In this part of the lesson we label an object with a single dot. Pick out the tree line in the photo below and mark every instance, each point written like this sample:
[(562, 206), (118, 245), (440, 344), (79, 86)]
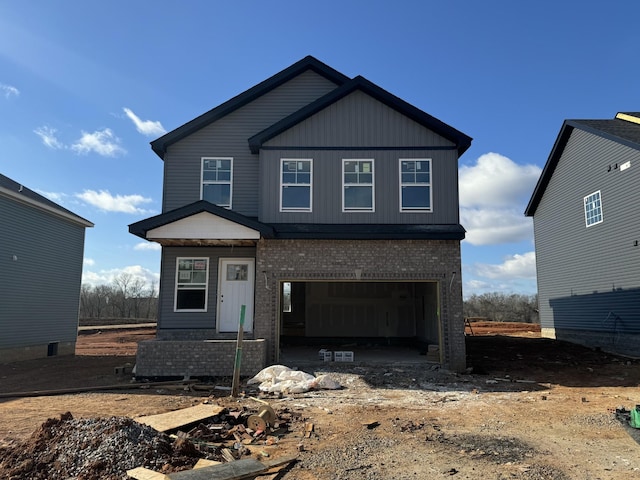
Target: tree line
[(502, 307), (126, 297)]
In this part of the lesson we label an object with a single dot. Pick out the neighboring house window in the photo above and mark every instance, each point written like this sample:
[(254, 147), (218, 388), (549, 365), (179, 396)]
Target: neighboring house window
[(415, 185), (593, 208), (295, 185), (191, 284), (357, 186), (216, 180)]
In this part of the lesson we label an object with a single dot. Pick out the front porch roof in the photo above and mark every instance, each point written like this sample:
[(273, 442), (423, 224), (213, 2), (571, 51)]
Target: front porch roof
[(205, 224), (201, 224)]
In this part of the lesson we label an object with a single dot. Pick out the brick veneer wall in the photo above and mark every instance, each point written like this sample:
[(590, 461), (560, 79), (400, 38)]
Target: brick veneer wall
[(367, 260), (209, 358)]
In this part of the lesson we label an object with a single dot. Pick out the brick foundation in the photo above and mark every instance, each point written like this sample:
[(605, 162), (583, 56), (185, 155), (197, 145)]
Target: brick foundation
[(210, 358)]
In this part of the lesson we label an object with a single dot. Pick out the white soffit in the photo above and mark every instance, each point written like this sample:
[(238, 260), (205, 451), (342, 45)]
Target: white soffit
[(204, 225)]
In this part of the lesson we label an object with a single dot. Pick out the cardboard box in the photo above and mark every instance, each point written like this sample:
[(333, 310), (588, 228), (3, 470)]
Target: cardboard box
[(343, 356)]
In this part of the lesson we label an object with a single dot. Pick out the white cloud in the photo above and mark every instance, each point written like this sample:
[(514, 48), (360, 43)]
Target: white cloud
[(90, 262), (515, 266), (106, 277), (493, 196), (490, 226), (103, 142), (147, 246), (48, 137), (145, 127), (53, 196), (114, 203), (9, 91)]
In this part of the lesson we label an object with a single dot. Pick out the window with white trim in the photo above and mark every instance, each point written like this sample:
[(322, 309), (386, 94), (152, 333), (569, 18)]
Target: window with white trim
[(217, 173), (296, 184), (191, 284), (357, 185), (415, 185), (593, 209)]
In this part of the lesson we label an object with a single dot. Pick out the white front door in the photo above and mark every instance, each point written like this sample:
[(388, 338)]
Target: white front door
[(235, 288)]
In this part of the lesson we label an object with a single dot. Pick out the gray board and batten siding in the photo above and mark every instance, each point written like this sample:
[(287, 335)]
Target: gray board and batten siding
[(227, 137), (41, 256), (588, 277), (168, 318)]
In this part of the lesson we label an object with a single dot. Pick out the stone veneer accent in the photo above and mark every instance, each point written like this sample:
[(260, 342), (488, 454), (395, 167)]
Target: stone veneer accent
[(367, 260)]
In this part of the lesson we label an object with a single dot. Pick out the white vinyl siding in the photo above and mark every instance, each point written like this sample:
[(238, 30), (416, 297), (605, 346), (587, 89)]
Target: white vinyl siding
[(296, 183), (192, 276), (358, 181), (217, 184), (415, 185)]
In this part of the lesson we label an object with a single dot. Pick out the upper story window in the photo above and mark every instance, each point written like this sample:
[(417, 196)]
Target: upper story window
[(593, 209), (191, 284), (295, 185), (415, 185), (357, 186), (216, 180)]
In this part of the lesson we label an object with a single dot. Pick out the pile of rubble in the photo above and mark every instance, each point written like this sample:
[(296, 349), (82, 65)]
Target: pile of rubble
[(107, 448)]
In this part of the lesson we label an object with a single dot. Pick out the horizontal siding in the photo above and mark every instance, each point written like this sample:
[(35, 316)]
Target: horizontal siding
[(200, 320), (359, 120), (327, 187), (587, 276), (228, 137), (40, 291)]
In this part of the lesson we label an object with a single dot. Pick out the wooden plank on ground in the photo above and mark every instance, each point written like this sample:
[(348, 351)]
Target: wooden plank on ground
[(203, 462), (238, 470), (141, 473), (164, 422)]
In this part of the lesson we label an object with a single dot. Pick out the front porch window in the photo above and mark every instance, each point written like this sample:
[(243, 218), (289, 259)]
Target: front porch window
[(191, 284)]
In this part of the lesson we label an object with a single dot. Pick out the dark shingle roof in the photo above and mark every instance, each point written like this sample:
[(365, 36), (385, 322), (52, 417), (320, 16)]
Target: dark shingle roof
[(18, 190), (617, 130), (304, 230)]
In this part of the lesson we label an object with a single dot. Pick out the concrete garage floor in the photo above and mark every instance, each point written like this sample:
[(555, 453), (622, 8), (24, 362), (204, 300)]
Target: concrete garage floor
[(304, 356)]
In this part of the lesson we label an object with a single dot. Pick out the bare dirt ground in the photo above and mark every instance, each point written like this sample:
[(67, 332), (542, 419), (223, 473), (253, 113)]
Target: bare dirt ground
[(531, 408)]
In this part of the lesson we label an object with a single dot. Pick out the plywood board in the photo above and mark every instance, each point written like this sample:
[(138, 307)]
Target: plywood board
[(246, 468), (141, 473), (164, 422)]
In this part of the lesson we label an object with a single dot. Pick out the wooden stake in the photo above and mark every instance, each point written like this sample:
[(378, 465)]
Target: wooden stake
[(235, 386)]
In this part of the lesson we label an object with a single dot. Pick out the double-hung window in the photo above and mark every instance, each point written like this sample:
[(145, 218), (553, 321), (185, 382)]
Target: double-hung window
[(593, 209), (415, 185), (191, 284), (357, 185), (216, 180), (296, 185)]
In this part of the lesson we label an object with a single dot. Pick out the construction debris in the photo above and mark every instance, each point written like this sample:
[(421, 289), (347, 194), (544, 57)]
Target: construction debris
[(281, 379)]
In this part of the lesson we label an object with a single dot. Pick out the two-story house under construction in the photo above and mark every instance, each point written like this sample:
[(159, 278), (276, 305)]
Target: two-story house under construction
[(322, 207)]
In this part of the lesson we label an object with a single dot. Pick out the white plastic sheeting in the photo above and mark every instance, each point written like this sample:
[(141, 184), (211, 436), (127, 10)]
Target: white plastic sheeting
[(278, 378)]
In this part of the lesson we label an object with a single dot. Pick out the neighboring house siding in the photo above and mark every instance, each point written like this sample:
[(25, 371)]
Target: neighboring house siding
[(168, 318), (589, 278), (227, 137), (327, 187), (40, 275)]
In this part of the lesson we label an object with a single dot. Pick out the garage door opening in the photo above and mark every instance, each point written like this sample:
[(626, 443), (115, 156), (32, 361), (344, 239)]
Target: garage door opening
[(385, 316)]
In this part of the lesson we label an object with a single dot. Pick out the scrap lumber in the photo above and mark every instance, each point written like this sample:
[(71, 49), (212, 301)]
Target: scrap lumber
[(203, 462), (141, 473), (238, 470), (164, 422)]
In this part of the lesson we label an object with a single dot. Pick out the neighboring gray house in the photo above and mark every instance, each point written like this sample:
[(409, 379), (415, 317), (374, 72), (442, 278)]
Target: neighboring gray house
[(587, 235), (41, 253), (325, 205)]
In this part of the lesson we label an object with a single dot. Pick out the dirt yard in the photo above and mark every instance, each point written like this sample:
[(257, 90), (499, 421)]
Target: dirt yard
[(530, 408)]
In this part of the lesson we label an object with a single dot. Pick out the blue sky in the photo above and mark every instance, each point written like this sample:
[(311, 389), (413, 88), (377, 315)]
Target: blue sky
[(85, 86)]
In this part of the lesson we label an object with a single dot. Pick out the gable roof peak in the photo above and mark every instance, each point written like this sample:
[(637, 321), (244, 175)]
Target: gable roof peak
[(309, 62)]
